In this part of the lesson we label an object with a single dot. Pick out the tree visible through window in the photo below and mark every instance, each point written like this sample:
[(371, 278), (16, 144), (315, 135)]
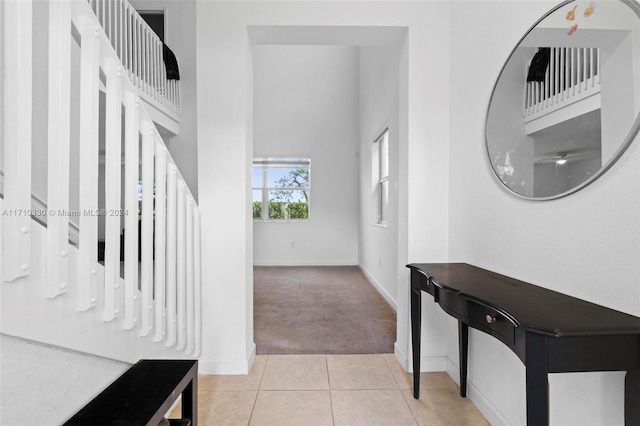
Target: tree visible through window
[(281, 188)]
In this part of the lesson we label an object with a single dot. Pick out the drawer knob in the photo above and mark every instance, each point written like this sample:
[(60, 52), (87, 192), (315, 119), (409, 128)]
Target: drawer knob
[(490, 318)]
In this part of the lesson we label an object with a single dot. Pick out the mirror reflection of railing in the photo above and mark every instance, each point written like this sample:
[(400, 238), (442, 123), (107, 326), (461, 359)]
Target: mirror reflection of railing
[(140, 50), (555, 127), (572, 74)]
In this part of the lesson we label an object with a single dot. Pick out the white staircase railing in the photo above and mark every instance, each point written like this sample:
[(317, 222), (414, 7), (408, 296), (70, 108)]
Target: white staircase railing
[(160, 293), (140, 51), (572, 74)]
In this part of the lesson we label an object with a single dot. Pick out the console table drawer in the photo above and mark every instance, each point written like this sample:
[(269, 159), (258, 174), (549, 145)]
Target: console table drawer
[(490, 321), (452, 303)]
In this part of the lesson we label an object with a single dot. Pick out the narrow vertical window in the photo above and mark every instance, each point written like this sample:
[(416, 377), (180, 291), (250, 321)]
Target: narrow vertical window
[(381, 170), (281, 189)]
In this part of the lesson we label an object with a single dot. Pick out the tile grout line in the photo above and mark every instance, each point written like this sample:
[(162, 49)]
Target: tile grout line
[(333, 416), (253, 408), (389, 367), (404, 399)]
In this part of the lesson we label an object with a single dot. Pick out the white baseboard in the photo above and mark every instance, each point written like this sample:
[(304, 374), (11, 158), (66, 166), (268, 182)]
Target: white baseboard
[(488, 410), (428, 364), (380, 289), (228, 366), (307, 263)]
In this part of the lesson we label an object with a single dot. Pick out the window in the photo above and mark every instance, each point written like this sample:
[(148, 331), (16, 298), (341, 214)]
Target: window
[(281, 189), (381, 176)]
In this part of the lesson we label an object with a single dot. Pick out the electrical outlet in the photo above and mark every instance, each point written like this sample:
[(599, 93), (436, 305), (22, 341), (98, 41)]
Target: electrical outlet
[(379, 261), (293, 245)]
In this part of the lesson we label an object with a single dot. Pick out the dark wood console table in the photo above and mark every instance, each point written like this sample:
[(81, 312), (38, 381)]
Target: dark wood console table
[(549, 331), (143, 395)]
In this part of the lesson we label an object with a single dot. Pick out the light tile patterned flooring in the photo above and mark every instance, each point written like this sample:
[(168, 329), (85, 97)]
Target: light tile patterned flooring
[(351, 390)]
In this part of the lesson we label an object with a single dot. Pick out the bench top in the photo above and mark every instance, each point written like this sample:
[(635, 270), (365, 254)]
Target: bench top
[(141, 396)]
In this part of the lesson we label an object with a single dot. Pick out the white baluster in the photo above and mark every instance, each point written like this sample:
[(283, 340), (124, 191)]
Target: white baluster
[(88, 166), (145, 61), (146, 276), (136, 51), (157, 65), (181, 266), (109, 21), (170, 95), (593, 66), (131, 208), (563, 67), (573, 69), (117, 28), (152, 64), (197, 283), (189, 275), (171, 253), (113, 189), (160, 73), (556, 71), (58, 147), (103, 14), (598, 67), (579, 70), (128, 42), (151, 58), (17, 138), (545, 84), (178, 101), (160, 229)]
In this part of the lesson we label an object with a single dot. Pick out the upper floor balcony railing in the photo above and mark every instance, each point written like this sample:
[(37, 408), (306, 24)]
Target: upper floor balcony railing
[(564, 77), (151, 64)]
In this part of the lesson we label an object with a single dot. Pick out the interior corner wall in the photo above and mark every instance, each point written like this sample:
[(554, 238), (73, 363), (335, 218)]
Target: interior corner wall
[(180, 36), (379, 86), (306, 106), (586, 245)]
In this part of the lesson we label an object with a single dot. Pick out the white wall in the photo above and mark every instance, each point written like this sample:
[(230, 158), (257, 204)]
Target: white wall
[(379, 92), (306, 105), (586, 245), (225, 149), (180, 36)]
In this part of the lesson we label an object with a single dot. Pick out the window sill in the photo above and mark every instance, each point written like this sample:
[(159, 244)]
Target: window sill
[(282, 221)]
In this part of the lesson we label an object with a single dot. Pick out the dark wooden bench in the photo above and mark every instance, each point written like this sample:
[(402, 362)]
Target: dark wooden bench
[(144, 394)]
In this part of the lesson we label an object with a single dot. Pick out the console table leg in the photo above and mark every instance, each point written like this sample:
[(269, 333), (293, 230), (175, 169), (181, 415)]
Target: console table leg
[(631, 398), (190, 402), (416, 322), (537, 380), (463, 348)]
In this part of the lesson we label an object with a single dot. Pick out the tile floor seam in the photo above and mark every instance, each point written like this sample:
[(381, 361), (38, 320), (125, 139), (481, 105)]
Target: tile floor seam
[(255, 401), (394, 376), (333, 415), (384, 358), (264, 370), (404, 398)]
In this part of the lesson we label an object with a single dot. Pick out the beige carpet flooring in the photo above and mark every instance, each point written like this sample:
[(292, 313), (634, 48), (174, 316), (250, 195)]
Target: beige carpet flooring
[(320, 310)]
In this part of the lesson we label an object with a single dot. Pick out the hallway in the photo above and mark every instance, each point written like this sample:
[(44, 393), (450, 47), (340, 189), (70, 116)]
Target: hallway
[(331, 390), (320, 310)]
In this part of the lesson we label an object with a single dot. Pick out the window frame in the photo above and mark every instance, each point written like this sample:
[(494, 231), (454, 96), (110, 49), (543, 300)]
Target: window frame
[(267, 163), (381, 143)]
